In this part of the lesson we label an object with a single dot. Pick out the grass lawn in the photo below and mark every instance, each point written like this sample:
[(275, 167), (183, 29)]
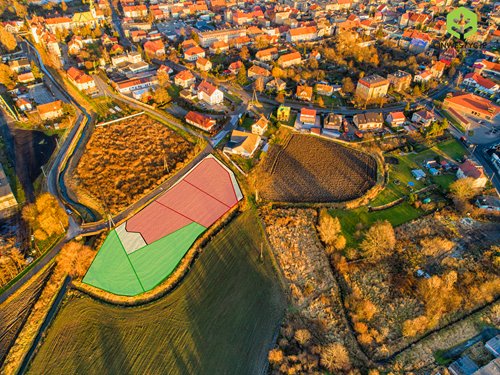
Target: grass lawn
[(396, 215), (221, 319), (247, 123), (444, 181), (452, 148)]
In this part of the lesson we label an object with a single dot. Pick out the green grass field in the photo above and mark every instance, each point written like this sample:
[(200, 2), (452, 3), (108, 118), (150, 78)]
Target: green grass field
[(221, 319), (125, 274)]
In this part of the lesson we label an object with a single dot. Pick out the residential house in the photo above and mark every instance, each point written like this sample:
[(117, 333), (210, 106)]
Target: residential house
[(235, 67), (283, 113), (136, 86), (75, 45), (333, 122), (203, 64), (302, 34), (209, 93), (368, 121), (200, 121), (308, 116), (474, 171), (268, 54), (473, 105), (304, 93), (260, 126), (478, 82), (484, 65), (372, 87), (23, 104), (396, 119), (276, 84), (50, 110), (437, 69), (154, 48), (256, 71), (423, 118), (135, 11), (82, 81), (184, 79), (20, 66), (25, 77), (242, 143), (219, 47), (322, 89), (289, 60), (194, 53), (400, 80), (207, 38), (424, 76)]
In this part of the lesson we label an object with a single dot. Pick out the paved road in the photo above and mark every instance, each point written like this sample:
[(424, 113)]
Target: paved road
[(479, 153)]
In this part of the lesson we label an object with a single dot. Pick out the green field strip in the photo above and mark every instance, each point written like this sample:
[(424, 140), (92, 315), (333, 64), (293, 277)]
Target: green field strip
[(156, 261), (112, 270)]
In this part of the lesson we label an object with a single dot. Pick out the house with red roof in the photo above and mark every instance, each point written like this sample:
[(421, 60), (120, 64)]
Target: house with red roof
[(483, 65), (308, 117), (203, 64), (469, 104), (395, 119), (82, 81), (423, 118), (289, 60), (478, 82), (209, 93), (200, 121), (470, 169), (304, 93), (50, 110)]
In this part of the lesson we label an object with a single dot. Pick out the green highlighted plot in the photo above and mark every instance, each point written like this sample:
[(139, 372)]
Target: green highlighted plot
[(156, 261), (125, 274), (111, 269)]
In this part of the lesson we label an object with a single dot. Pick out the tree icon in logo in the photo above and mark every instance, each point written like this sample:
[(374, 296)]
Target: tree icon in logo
[(461, 23)]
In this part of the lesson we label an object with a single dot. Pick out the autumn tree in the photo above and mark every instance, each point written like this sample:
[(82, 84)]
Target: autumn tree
[(276, 357), (259, 84), (280, 98), (463, 189), (321, 101), (413, 327), (20, 9), (36, 71), (7, 76), (75, 258), (302, 336), (241, 78), (347, 85), (244, 53), (335, 358), (328, 227), (161, 96), (7, 39), (64, 7), (379, 240), (46, 217)]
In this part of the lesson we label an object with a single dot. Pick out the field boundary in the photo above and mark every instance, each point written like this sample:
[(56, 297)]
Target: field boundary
[(120, 119), (172, 280)]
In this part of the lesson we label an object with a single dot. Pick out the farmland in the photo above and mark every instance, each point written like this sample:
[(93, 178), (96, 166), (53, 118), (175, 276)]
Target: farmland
[(15, 311), (309, 169), (221, 319), (124, 160)]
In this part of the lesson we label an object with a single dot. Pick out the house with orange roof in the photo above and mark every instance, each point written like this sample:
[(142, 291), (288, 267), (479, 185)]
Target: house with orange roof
[(193, 53), (184, 79), (290, 59), (242, 143), (308, 117), (203, 64), (323, 89), (256, 71), (302, 34), (50, 110), (235, 67), (135, 11), (304, 93), (484, 65), (437, 69), (268, 54), (424, 76), (396, 119), (154, 48), (473, 105), (25, 77), (260, 126), (82, 81), (219, 47)]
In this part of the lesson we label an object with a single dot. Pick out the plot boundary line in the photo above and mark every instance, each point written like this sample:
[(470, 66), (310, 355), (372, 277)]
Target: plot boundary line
[(210, 195), (177, 212), (131, 265)]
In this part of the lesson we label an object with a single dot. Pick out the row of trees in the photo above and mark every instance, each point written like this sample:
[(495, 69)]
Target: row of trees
[(46, 217)]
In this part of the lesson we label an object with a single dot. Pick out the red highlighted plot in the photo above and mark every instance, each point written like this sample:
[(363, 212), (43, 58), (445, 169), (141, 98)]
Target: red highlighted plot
[(156, 221), (194, 204), (211, 177)]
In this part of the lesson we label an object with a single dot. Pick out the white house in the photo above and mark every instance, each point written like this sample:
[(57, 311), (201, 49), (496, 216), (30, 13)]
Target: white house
[(209, 93), (474, 171)]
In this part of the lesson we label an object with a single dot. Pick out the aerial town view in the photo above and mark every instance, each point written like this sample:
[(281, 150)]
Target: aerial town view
[(249, 187)]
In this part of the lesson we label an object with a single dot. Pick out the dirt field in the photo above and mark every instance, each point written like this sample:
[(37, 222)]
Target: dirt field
[(124, 160), (311, 169), (222, 319)]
